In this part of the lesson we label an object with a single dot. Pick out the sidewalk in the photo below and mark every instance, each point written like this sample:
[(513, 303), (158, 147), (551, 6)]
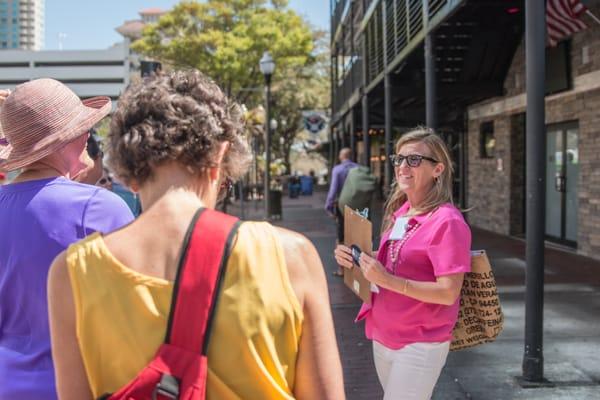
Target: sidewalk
[(572, 316)]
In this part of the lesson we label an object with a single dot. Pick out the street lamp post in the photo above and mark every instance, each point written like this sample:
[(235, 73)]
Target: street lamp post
[(267, 66), (255, 190)]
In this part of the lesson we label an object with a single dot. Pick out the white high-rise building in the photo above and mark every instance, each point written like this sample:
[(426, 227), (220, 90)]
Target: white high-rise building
[(22, 24)]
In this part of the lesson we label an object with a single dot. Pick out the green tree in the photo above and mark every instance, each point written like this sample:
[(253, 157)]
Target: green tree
[(299, 89), (225, 39)]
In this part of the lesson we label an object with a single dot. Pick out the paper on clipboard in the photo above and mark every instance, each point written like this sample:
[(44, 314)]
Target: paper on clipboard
[(359, 231)]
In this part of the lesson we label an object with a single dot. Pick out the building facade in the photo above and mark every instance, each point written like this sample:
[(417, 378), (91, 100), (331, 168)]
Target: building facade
[(87, 72), (496, 153), (131, 30), (459, 66), (22, 24)]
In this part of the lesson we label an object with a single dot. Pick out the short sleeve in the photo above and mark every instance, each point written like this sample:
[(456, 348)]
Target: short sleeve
[(450, 248), (105, 212)]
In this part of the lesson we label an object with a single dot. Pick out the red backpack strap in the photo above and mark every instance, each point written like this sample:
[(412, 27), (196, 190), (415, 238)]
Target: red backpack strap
[(201, 269)]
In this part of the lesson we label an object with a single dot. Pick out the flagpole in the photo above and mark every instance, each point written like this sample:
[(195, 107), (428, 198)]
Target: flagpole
[(592, 16)]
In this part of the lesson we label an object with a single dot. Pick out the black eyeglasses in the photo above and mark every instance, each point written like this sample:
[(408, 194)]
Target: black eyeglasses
[(104, 181), (413, 160)]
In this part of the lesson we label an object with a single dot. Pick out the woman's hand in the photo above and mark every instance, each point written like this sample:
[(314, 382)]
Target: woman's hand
[(372, 269), (343, 256)]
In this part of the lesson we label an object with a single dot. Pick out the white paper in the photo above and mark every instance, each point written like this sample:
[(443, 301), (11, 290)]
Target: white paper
[(399, 228)]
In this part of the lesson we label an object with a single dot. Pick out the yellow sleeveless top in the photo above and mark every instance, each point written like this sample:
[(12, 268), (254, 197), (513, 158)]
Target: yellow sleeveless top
[(121, 318)]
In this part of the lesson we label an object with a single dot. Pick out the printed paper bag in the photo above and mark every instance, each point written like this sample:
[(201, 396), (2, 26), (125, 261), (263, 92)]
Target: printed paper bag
[(480, 317)]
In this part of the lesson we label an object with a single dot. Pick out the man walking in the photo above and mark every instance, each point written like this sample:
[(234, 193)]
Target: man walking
[(338, 177)]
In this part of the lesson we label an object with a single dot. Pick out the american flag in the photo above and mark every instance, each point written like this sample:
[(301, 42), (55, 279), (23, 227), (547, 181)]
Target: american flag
[(562, 19)]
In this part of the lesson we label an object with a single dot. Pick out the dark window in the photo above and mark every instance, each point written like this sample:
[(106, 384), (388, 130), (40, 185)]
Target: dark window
[(78, 63), (13, 64), (99, 80), (487, 141), (558, 68)]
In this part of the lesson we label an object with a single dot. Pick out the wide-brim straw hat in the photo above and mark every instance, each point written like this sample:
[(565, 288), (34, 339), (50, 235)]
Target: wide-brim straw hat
[(42, 116)]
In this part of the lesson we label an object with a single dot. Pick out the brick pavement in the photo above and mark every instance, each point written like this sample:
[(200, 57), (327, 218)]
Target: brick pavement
[(572, 313)]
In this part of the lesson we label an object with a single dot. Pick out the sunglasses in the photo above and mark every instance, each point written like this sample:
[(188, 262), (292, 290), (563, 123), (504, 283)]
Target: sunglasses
[(104, 181), (412, 160)]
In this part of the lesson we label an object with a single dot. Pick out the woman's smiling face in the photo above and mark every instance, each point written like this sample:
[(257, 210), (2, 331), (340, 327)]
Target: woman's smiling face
[(416, 180)]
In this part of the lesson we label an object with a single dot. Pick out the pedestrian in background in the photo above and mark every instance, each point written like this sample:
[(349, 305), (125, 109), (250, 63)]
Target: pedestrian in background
[(92, 175), (338, 177), (130, 197), (106, 179), (42, 211), (108, 182), (419, 269), (313, 176), (179, 141), (294, 186)]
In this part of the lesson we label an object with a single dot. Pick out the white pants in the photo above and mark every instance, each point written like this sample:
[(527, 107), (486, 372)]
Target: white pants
[(411, 372)]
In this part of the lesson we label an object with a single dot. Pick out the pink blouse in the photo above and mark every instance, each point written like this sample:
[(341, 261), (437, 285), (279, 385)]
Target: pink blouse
[(439, 246)]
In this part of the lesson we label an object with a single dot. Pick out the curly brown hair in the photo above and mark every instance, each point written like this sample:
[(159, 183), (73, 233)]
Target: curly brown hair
[(182, 116)]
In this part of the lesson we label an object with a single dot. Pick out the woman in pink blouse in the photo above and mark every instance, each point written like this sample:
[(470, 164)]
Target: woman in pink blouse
[(419, 269)]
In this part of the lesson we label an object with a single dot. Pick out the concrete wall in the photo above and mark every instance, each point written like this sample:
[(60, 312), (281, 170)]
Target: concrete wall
[(87, 72)]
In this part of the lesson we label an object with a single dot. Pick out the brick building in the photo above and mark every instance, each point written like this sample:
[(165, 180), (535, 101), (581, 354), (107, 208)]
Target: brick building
[(379, 80), (496, 146)]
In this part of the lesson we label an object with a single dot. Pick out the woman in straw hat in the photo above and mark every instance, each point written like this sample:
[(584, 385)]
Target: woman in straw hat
[(179, 140), (45, 128)]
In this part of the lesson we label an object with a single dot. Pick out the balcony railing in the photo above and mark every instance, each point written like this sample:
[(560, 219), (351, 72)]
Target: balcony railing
[(405, 22), (390, 29), (340, 9), (352, 81)]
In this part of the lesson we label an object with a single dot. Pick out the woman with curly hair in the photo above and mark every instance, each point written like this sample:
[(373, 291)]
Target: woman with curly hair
[(177, 140), (419, 269)]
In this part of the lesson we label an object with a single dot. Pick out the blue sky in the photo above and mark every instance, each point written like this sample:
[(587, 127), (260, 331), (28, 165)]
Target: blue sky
[(91, 24)]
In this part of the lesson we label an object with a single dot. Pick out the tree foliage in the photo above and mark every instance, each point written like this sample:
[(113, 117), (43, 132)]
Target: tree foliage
[(225, 39), (300, 89)]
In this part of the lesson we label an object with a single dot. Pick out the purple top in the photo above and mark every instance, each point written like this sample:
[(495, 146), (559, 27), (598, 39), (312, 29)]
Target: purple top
[(38, 220), (338, 177)]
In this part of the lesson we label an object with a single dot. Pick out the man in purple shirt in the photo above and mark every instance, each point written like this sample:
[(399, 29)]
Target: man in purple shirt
[(338, 177), (42, 211)]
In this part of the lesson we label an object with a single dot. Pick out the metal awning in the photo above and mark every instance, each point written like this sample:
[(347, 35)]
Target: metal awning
[(475, 43)]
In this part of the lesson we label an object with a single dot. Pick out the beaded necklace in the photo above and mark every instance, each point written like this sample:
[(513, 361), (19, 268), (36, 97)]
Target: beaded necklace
[(396, 245)]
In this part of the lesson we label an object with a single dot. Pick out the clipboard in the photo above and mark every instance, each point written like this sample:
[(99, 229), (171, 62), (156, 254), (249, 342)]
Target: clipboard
[(359, 231)]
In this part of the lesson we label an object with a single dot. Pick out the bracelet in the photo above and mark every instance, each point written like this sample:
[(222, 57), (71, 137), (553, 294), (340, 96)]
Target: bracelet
[(405, 287)]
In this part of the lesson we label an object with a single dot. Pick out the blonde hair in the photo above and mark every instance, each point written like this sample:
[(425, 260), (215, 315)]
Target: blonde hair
[(441, 191)]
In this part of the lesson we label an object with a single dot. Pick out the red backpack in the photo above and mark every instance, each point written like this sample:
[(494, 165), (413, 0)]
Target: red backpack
[(179, 368)]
